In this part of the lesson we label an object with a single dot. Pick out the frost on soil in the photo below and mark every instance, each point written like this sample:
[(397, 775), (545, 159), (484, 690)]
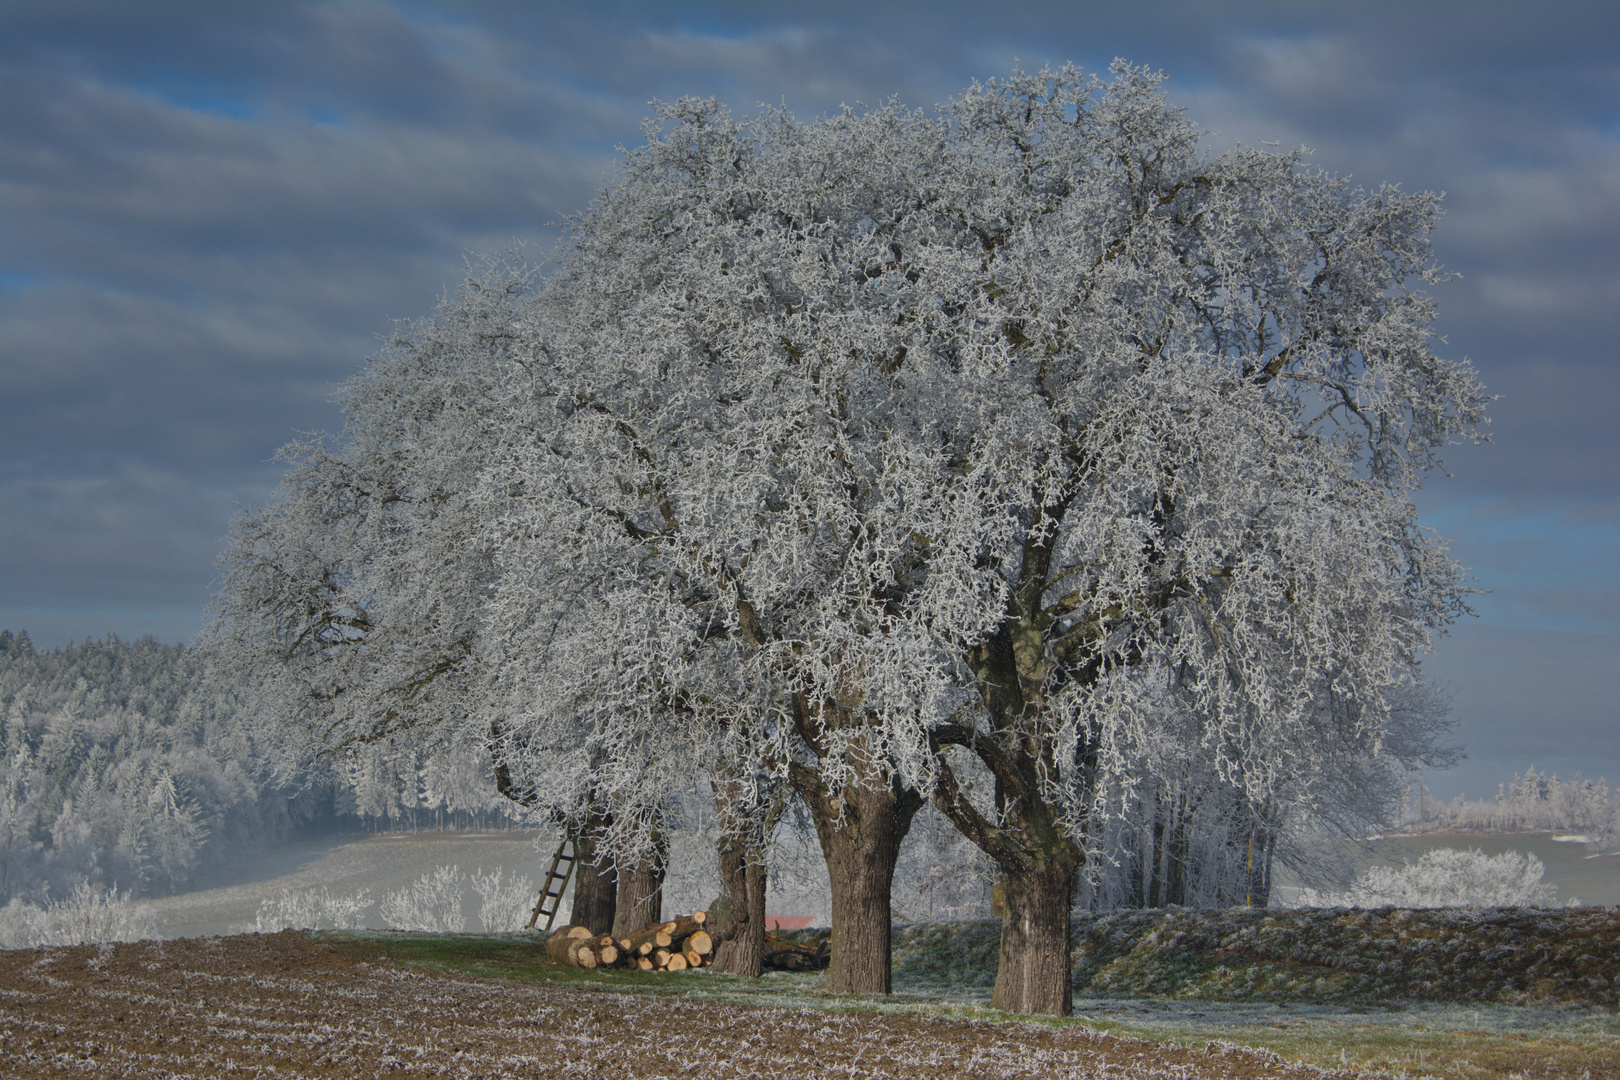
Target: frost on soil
[(263, 1005)]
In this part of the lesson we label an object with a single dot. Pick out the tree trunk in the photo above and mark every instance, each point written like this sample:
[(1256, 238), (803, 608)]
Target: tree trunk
[(1038, 860), (641, 891), (1033, 971), (738, 918), (860, 832), (595, 882)]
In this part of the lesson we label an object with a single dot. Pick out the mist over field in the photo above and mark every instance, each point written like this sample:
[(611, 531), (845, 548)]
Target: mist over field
[(123, 769)]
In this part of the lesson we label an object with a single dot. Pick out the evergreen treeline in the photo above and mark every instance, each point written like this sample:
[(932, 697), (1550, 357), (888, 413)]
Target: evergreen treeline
[(124, 765)]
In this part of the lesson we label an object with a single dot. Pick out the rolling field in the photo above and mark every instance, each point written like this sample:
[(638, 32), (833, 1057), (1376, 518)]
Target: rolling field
[(286, 1005), (478, 1005), (340, 1004), (378, 864)]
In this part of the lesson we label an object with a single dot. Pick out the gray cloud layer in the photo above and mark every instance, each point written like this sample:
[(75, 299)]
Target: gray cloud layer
[(210, 214)]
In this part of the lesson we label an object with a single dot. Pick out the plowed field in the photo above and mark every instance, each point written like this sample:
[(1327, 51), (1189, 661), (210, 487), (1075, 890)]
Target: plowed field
[(286, 1006)]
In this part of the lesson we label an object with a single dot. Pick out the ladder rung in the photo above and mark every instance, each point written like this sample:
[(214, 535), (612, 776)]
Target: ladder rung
[(564, 854)]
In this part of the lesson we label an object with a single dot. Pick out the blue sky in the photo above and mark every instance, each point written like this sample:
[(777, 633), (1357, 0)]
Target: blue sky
[(210, 214)]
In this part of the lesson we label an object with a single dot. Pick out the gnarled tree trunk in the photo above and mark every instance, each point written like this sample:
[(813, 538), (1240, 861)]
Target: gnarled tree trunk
[(1026, 835), (595, 880), (860, 827), (641, 891), (860, 832), (1032, 975), (737, 920)]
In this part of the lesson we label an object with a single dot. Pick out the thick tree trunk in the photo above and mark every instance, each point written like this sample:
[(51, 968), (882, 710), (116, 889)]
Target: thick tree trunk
[(860, 833), (738, 918), (1033, 971), (1038, 861), (595, 884), (641, 892)]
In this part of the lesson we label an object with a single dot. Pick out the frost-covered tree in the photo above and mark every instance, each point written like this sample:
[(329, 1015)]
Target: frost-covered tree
[(1447, 877), (353, 600), (969, 455), (991, 440), (352, 606), (1537, 801), (1172, 830), (123, 764)]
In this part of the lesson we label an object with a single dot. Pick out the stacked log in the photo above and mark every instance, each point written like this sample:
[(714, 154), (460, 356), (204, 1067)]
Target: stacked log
[(574, 946), (784, 955), (676, 945)]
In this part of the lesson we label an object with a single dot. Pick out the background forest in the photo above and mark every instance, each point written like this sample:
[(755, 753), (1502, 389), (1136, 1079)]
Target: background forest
[(126, 768)]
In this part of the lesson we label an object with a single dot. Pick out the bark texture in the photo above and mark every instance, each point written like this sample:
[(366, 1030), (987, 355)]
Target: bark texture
[(595, 884), (860, 830), (1033, 971), (737, 920), (641, 892), (1026, 835)]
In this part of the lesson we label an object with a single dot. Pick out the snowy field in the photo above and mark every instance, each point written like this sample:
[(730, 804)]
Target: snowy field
[(378, 864), (392, 861), (389, 862)]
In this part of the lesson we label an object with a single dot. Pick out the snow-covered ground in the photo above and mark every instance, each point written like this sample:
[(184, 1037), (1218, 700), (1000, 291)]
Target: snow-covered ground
[(389, 862), (379, 864), (392, 861)]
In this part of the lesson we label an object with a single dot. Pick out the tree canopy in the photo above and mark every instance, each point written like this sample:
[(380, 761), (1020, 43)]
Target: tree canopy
[(981, 455)]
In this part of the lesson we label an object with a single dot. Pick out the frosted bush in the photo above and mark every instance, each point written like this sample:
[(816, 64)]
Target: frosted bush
[(432, 903), (1447, 877), (346, 912), (84, 916), (311, 909), (506, 904)]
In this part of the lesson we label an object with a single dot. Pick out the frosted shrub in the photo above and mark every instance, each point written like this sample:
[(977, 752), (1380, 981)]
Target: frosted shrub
[(84, 916), (310, 909), (506, 903), (346, 912), (432, 903), (20, 925), (1447, 877)]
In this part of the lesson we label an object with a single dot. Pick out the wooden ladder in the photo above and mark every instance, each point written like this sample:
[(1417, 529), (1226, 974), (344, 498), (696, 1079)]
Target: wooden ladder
[(556, 882)]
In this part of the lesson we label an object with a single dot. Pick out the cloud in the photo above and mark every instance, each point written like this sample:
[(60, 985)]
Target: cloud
[(131, 536), (210, 214)]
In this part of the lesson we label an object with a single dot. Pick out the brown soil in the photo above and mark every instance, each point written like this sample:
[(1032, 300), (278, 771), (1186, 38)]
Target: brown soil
[(287, 1006)]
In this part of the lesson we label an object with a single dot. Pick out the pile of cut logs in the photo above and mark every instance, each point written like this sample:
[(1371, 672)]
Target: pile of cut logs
[(667, 946)]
